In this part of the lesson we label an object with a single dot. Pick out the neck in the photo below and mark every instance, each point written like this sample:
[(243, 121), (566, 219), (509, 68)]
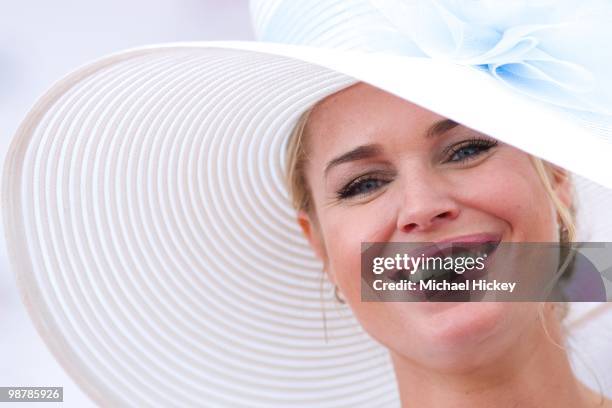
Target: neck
[(534, 373)]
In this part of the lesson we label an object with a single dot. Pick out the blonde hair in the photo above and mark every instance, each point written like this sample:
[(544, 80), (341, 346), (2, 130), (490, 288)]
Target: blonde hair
[(295, 164), (567, 214)]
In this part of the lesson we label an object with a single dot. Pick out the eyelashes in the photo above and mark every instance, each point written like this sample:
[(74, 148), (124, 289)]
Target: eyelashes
[(363, 185), (456, 153), (467, 149)]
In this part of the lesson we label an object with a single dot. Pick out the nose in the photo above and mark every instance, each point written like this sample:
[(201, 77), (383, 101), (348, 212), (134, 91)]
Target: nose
[(426, 205)]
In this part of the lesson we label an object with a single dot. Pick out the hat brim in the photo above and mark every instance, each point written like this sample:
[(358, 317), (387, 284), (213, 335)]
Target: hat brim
[(153, 239)]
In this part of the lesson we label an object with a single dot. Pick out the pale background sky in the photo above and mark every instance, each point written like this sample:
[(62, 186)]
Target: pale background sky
[(42, 41)]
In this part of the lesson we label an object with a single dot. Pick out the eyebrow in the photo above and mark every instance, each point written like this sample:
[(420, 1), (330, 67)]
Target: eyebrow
[(440, 127), (371, 150)]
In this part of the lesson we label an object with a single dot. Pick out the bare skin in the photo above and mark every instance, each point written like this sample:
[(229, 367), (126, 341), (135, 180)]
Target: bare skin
[(415, 177)]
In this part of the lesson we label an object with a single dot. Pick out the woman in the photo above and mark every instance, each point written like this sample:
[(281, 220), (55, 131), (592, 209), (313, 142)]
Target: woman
[(158, 255), (404, 182)]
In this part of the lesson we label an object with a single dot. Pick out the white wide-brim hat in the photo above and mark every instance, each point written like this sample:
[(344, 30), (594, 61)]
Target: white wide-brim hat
[(150, 228)]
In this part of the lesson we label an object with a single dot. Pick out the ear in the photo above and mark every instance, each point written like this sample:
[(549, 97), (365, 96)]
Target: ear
[(312, 232), (562, 184)]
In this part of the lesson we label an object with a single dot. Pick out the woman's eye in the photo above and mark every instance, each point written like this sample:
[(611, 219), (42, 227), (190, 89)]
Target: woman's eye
[(361, 186), (469, 149)]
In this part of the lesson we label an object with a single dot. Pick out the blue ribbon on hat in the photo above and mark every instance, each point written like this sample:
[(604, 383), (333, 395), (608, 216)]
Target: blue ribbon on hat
[(556, 51)]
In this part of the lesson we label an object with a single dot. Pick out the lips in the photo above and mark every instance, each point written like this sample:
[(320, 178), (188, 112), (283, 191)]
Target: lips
[(476, 245), (470, 242)]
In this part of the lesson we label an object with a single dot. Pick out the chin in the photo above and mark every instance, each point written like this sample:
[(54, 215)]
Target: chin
[(459, 337)]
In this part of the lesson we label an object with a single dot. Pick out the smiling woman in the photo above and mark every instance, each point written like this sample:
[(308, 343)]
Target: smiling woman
[(366, 166), (159, 256)]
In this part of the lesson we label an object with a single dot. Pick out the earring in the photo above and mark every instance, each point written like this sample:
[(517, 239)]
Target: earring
[(338, 298)]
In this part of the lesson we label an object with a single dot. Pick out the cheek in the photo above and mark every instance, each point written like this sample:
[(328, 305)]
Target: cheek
[(508, 189), (345, 231)]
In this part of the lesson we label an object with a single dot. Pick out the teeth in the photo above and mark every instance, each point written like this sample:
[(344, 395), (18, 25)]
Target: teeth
[(416, 276), (426, 274), (421, 275), (439, 273)]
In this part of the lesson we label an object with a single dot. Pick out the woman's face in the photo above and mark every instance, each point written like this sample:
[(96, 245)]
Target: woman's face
[(381, 169)]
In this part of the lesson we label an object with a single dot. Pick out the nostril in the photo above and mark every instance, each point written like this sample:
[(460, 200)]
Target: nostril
[(424, 217), (446, 214), (409, 227)]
